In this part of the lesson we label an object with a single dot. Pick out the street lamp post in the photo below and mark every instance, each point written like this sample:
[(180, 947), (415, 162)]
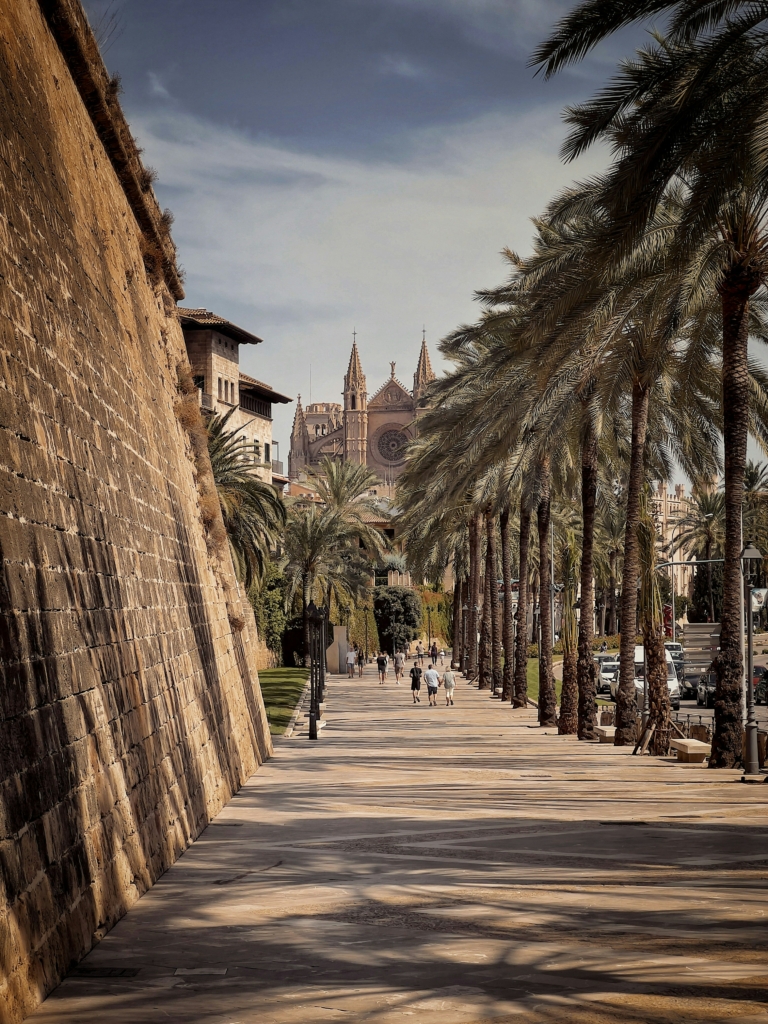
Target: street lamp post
[(316, 618), (752, 761), (672, 577), (429, 626)]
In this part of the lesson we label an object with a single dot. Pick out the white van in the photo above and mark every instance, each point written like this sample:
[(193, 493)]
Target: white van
[(672, 682)]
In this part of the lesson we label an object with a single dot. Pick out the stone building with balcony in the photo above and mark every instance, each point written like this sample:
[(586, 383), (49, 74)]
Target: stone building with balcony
[(213, 347)]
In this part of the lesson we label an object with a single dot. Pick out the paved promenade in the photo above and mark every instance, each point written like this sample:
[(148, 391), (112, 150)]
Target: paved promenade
[(449, 865)]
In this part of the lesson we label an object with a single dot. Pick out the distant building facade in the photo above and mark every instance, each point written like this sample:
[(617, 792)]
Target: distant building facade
[(668, 508), (373, 432), (213, 347)]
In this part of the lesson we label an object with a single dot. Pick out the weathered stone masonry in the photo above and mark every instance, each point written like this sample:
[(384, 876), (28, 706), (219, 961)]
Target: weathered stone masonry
[(130, 710)]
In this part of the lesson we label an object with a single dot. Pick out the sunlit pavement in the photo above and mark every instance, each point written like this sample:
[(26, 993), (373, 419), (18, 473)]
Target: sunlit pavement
[(449, 864)]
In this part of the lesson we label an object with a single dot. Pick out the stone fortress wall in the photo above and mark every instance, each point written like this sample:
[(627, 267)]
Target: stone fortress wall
[(130, 709)]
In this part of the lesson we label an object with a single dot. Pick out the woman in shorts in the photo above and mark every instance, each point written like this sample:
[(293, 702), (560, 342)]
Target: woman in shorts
[(360, 662), (416, 682), (449, 682)]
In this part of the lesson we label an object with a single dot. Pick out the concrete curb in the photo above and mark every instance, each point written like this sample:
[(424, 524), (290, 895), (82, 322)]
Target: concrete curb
[(295, 716)]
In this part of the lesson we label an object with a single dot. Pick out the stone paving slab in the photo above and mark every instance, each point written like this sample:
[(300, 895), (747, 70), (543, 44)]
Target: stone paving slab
[(456, 865)]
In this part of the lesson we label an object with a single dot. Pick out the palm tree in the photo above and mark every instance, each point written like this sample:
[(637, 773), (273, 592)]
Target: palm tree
[(345, 487), (701, 531), (547, 699), (568, 721), (611, 529), (322, 560), (253, 513), (651, 622), (693, 106)]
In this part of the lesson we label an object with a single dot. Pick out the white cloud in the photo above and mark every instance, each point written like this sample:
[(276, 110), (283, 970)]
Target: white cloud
[(300, 248), (156, 86), (401, 67)]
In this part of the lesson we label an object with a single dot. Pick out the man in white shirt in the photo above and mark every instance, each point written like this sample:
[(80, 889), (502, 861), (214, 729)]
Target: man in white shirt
[(399, 666), (432, 679), (351, 659)]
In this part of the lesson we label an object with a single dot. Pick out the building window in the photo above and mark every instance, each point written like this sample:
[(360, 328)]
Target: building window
[(323, 430), (199, 381), (317, 429), (256, 449), (354, 402), (267, 453), (219, 388)]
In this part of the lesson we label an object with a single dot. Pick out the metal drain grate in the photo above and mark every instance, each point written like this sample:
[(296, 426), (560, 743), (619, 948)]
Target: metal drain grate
[(106, 972)]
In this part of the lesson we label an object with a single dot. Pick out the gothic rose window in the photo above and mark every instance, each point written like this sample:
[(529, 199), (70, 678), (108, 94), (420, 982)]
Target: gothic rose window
[(392, 444)]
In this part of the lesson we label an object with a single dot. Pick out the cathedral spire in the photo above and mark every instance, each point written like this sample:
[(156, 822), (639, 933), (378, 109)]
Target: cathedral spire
[(424, 374), (299, 422), (298, 456), (355, 378)]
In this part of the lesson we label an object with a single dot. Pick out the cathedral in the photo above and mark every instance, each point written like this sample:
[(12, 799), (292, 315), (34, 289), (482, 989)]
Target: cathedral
[(372, 431)]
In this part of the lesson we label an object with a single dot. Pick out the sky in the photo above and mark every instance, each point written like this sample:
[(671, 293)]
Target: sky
[(340, 165)]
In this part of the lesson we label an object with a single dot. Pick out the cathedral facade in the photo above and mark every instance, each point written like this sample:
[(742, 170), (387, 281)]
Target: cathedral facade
[(372, 431)]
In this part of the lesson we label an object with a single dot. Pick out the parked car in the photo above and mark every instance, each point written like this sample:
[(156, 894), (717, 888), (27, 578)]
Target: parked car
[(689, 683), (705, 691), (608, 672), (673, 684), (760, 682)]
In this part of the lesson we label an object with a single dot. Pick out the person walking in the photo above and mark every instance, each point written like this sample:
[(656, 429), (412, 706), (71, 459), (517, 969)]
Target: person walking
[(442, 658), (433, 653), (399, 666), (351, 661), (381, 664), (416, 681), (360, 662), (432, 679), (449, 682), (419, 652)]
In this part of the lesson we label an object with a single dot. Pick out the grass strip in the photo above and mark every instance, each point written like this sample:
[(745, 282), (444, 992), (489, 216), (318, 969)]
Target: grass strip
[(281, 689)]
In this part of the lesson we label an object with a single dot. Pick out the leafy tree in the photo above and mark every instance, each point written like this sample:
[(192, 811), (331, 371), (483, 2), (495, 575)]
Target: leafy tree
[(269, 607), (707, 598), (322, 562), (398, 616)]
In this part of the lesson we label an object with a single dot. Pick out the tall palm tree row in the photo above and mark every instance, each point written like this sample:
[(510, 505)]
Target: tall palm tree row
[(691, 108), (619, 347)]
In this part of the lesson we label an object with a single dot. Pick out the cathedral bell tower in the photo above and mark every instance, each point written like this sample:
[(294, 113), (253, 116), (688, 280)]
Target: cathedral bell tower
[(355, 409)]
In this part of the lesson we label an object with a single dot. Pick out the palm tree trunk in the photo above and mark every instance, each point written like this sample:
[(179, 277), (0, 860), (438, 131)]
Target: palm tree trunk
[(626, 704), (491, 568), (485, 675), (508, 629), (475, 539), (520, 698), (612, 596), (728, 732), (658, 693), (586, 669), (568, 722), (464, 625), (456, 623), (547, 698)]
